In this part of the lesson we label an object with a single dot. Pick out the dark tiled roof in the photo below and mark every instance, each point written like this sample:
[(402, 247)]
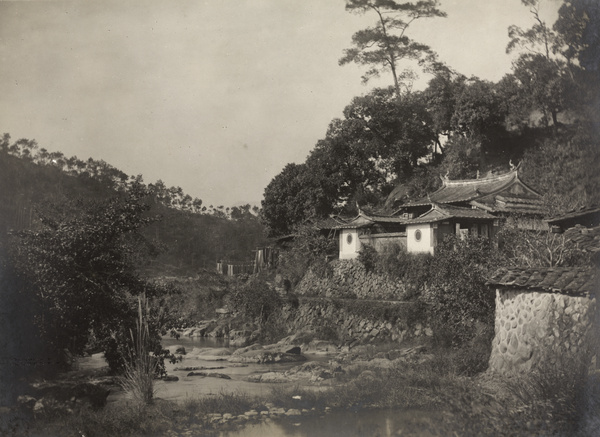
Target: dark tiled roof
[(364, 220), (575, 281), (445, 212), (587, 239), (331, 222), (574, 214), (469, 189), (496, 193)]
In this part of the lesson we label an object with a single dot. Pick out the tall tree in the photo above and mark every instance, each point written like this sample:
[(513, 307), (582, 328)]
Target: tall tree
[(296, 194), (578, 37), (385, 45), (540, 68)]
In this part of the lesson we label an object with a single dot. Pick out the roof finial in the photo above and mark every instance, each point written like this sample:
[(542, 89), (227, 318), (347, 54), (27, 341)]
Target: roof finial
[(512, 166)]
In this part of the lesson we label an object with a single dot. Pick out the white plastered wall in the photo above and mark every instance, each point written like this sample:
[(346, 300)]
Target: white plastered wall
[(424, 244), (349, 243)]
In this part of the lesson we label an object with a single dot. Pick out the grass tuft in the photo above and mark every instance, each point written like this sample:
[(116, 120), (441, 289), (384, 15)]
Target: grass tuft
[(140, 365)]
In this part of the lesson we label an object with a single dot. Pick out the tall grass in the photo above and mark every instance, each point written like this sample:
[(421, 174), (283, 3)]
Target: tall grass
[(556, 394), (140, 365)]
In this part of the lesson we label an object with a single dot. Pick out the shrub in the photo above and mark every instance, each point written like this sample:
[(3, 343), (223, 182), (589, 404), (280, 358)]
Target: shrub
[(254, 300), (368, 257), (456, 292), (411, 269), (540, 249), (309, 249), (556, 393)]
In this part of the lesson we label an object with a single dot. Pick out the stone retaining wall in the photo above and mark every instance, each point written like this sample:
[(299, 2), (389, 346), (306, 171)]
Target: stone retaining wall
[(321, 315), (350, 279), (533, 328)]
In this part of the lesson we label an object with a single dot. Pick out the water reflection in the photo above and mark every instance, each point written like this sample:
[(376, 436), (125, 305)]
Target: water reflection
[(377, 423), (191, 342)]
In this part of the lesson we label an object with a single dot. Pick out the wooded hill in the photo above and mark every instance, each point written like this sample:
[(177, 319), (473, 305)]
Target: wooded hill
[(544, 113), (190, 236)]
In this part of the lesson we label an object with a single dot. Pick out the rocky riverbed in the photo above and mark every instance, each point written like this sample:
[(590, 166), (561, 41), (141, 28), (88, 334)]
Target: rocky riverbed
[(210, 368)]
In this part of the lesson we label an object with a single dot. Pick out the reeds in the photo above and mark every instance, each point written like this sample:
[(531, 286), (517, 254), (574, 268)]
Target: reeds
[(140, 365)]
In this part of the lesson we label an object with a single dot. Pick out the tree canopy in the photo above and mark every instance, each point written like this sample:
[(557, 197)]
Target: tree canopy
[(457, 126), (81, 264), (383, 46)]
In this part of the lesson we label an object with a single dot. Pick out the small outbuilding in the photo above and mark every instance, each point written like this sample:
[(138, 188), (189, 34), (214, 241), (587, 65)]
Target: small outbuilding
[(424, 233), (420, 235), (375, 230), (543, 315)]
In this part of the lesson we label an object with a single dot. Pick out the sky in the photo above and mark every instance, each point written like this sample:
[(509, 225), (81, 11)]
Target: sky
[(214, 96)]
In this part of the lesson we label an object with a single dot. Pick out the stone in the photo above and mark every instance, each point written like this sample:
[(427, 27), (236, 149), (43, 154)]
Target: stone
[(266, 357), (39, 407), (170, 378), (293, 412), (294, 350), (209, 375), (26, 402)]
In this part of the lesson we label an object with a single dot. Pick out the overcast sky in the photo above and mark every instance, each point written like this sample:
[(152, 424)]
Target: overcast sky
[(215, 96)]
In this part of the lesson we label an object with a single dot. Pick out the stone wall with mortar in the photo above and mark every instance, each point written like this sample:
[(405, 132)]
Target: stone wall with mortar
[(349, 279), (532, 328), (320, 315)]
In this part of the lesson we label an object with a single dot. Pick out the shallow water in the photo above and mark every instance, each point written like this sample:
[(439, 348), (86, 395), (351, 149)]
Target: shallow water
[(371, 423), (190, 387)]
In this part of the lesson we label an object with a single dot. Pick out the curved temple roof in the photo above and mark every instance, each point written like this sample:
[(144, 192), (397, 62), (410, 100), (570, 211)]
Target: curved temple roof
[(497, 193)]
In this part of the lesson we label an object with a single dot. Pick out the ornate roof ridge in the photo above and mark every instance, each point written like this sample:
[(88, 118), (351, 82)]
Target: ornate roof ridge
[(493, 178)]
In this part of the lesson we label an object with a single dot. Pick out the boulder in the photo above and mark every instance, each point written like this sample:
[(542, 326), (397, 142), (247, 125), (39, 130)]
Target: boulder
[(266, 357), (211, 354), (320, 347), (252, 347), (240, 338), (210, 375), (270, 377), (26, 402)]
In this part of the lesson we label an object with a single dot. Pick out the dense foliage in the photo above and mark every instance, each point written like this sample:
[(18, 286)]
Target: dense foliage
[(79, 265), (456, 293), (544, 113), (310, 249), (191, 237), (254, 300), (452, 283)]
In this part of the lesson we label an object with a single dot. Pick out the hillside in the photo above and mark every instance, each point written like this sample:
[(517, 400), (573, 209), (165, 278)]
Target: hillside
[(190, 236)]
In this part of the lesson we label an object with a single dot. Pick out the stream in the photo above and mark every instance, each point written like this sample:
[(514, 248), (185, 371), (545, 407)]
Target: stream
[(368, 423), (362, 423), (194, 387)]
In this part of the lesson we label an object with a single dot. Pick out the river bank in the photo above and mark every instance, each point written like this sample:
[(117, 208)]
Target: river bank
[(372, 390)]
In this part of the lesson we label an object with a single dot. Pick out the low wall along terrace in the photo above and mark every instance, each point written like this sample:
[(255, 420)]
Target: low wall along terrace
[(533, 328), (350, 279), (359, 306), (357, 322)]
